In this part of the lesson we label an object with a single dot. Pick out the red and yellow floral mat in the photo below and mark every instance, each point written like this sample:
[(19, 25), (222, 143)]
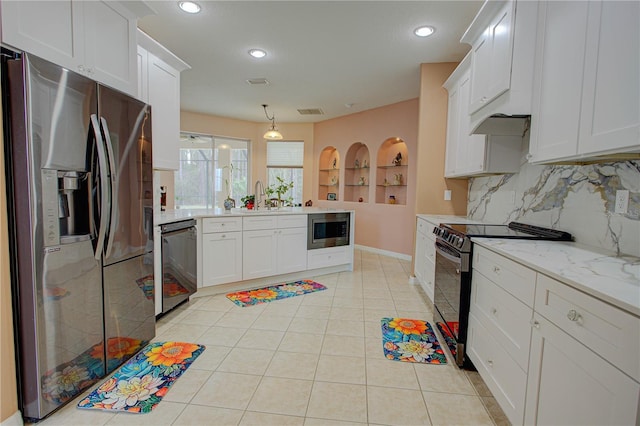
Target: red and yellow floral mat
[(411, 340), (171, 287), (140, 384), (274, 292)]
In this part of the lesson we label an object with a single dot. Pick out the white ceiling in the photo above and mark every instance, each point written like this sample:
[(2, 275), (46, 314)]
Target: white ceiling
[(321, 54)]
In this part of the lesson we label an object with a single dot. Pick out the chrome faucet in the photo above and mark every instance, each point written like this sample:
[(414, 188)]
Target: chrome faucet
[(259, 190)]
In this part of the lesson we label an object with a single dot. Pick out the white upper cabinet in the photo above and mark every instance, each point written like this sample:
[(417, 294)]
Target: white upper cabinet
[(502, 39), (159, 85), (492, 59), (586, 101), (94, 38), (473, 155)]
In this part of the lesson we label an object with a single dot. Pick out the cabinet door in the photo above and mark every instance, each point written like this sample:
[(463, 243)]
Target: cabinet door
[(164, 97), (110, 44), (292, 250), (453, 131), (557, 87), (610, 116), (221, 258), (492, 54), (52, 30), (143, 79), (471, 156), (570, 384), (259, 253)]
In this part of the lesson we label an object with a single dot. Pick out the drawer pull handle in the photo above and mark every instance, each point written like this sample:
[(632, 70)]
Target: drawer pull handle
[(494, 311), (490, 362), (535, 323), (573, 315), (496, 269)]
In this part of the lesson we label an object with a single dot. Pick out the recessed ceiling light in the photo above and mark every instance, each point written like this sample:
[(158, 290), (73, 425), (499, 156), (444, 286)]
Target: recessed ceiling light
[(257, 53), (189, 6), (425, 31)]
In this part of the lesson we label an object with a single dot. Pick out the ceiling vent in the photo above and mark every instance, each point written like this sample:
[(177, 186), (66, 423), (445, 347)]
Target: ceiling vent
[(258, 81), (310, 111)]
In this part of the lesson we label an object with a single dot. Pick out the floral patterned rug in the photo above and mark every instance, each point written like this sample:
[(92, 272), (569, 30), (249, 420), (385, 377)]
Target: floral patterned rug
[(449, 339), (411, 340), (140, 384), (274, 292)]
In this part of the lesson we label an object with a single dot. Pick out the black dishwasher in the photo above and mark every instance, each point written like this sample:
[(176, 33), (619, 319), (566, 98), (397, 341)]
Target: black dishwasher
[(179, 270)]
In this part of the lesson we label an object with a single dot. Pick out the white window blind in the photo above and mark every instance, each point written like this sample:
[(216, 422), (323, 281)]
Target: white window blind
[(285, 154)]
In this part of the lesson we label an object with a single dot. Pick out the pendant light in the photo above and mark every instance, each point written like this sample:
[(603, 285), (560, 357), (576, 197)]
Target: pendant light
[(272, 134)]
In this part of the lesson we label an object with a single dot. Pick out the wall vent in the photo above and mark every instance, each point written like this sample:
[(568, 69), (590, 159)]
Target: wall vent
[(310, 111), (258, 81)]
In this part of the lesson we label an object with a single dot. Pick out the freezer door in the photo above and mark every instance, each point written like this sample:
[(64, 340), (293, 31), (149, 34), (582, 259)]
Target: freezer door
[(126, 128), (129, 308)]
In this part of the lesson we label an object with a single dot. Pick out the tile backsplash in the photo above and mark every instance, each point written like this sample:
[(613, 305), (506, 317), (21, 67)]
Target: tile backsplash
[(575, 198)]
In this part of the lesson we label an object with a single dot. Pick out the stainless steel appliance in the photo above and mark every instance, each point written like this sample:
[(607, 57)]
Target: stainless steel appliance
[(79, 185), (452, 293), (328, 230), (179, 270)]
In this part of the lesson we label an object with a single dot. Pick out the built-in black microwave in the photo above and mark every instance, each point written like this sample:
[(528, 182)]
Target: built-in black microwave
[(328, 230)]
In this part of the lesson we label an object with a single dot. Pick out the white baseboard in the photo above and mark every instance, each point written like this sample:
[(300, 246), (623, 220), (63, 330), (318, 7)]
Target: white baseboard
[(384, 252), (14, 420)]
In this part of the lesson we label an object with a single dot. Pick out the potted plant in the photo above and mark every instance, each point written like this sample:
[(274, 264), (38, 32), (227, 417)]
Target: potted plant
[(279, 189), (248, 201)]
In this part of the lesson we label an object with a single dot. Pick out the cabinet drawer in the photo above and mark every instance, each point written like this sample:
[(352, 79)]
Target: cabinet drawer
[(610, 332), (226, 224), (507, 382), (259, 222), (506, 317), (292, 221), (516, 279), (424, 227), (332, 256)]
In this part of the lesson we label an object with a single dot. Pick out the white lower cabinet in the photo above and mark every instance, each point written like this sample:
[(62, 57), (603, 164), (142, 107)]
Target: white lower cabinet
[(274, 245), (570, 384), (574, 356), (221, 251), (425, 253)]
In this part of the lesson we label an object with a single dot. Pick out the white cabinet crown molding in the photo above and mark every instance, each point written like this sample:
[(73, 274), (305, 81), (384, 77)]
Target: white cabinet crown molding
[(161, 52)]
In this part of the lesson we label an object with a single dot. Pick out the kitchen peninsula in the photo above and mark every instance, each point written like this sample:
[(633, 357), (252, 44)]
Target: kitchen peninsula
[(242, 248)]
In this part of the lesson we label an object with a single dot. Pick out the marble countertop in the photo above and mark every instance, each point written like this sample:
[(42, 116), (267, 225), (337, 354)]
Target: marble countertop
[(614, 279), (170, 216)]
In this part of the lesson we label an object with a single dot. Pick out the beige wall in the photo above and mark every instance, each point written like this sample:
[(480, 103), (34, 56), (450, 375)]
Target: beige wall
[(382, 226), (232, 128), (8, 389), (432, 131)]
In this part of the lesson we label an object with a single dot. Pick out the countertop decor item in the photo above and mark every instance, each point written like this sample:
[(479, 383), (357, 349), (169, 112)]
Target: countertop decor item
[(411, 340), (140, 384), (331, 196), (274, 292)]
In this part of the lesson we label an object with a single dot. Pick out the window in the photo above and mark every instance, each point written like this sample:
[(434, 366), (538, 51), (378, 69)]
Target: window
[(285, 159), (211, 169)]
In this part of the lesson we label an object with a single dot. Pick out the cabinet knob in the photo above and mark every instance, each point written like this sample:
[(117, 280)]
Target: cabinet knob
[(494, 311), (535, 323), (573, 315), (223, 236), (496, 269), (529, 156), (490, 362), (484, 99)]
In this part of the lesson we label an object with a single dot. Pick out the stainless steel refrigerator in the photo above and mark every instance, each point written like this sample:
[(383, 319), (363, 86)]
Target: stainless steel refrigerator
[(79, 186)]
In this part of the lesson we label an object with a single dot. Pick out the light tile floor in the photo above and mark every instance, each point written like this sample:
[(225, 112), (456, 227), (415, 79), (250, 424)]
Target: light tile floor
[(309, 360)]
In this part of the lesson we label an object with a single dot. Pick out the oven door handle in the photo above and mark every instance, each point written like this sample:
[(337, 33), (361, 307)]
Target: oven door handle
[(441, 251)]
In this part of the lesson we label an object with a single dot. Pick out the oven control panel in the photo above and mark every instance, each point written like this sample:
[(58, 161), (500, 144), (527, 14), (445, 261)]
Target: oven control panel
[(450, 236)]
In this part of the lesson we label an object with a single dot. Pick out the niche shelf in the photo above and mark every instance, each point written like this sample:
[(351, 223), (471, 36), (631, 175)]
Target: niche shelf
[(328, 174), (392, 170), (357, 172)]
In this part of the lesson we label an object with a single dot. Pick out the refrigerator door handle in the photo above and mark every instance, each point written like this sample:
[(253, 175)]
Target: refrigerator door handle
[(114, 185), (104, 186)]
